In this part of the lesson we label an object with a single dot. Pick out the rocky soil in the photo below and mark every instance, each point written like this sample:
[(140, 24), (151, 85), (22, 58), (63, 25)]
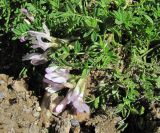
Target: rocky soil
[(20, 112)]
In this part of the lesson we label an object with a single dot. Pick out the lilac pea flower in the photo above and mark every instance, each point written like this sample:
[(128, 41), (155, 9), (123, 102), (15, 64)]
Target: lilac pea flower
[(24, 11), (56, 78), (37, 38), (72, 95), (75, 98), (27, 14), (36, 58), (80, 106), (54, 87), (57, 75), (76, 101)]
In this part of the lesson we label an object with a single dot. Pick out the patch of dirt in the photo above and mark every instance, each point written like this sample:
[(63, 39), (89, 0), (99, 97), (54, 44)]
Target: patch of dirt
[(19, 110), (104, 123)]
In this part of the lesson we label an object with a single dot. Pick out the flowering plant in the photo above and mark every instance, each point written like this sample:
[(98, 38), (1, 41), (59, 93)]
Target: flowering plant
[(56, 77), (116, 40)]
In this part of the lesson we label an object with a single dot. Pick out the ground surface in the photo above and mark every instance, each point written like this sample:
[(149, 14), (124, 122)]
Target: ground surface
[(20, 112)]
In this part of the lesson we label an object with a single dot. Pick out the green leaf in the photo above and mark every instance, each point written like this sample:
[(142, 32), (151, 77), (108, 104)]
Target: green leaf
[(77, 47), (94, 36), (96, 102), (122, 126), (142, 110), (86, 34), (149, 19), (91, 22), (158, 82), (17, 32)]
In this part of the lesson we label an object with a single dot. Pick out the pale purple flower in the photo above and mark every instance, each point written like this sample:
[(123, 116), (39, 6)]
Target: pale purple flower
[(75, 98), (54, 87), (56, 77), (56, 74), (22, 39), (24, 11), (71, 96), (37, 38), (27, 14), (36, 58), (80, 106)]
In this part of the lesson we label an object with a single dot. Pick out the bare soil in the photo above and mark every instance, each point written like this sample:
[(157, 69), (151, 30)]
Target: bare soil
[(20, 112)]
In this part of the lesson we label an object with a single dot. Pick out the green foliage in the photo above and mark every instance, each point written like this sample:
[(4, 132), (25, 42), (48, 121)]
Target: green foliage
[(117, 37)]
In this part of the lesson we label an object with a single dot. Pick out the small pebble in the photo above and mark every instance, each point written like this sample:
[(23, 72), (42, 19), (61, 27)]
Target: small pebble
[(74, 122), (36, 114), (38, 109), (33, 128), (1, 95), (27, 110), (1, 82)]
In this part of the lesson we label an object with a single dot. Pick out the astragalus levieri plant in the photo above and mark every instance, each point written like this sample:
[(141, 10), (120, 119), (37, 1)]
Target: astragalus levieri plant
[(57, 77)]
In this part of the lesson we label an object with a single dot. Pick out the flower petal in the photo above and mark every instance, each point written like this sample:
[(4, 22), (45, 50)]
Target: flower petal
[(43, 45), (37, 62), (46, 29), (51, 69), (22, 39), (53, 84), (73, 95), (52, 90), (85, 107), (51, 76), (31, 56), (36, 33), (62, 105), (24, 11), (59, 80), (35, 58), (56, 74), (80, 106)]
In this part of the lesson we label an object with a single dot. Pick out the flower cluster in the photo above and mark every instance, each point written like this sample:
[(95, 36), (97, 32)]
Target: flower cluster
[(37, 39), (56, 77), (42, 40), (37, 42)]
